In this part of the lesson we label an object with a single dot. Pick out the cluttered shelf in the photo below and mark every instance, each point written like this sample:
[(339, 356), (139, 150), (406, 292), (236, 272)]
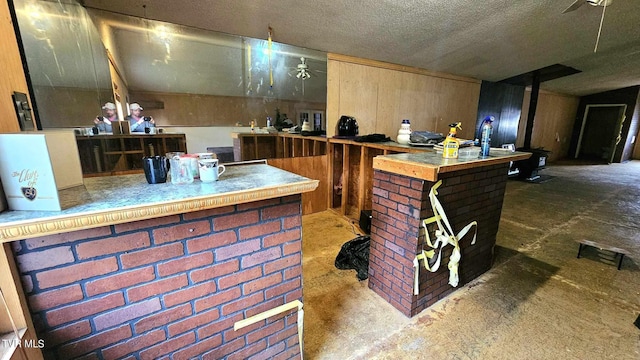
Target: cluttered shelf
[(106, 154), (254, 146)]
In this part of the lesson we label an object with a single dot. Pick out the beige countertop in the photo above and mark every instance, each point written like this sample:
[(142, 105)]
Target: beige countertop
[(427, 165), (113, 200)]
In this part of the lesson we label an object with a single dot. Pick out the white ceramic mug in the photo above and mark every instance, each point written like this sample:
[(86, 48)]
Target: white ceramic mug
[(210, 170), (206, 155)]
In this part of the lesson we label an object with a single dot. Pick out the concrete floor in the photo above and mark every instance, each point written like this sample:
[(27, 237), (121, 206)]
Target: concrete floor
[(537, 302)]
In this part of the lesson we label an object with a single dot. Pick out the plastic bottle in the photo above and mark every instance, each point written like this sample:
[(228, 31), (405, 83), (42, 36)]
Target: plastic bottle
[(451, 144), (485, 142), (404, 134)]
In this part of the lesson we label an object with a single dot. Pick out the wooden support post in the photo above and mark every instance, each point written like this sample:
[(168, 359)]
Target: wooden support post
[(345, 179)]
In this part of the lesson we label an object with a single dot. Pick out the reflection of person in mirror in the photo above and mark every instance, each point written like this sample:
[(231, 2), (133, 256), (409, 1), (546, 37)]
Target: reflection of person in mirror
[(137, 121), (103, 123)]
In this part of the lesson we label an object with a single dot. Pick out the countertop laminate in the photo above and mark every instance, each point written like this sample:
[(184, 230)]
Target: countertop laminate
[(427, 165), (120, 199)]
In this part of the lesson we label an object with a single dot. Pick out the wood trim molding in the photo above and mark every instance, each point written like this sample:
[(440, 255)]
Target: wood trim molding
[(12, 231), (397, 67), (429, 172), (112, 60)]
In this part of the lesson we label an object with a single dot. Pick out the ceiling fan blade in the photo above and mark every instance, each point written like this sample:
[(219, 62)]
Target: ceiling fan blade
[(574, 6)]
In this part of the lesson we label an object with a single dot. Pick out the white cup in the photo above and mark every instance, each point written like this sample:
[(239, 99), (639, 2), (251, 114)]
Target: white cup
[(210, 170), (206, 155)]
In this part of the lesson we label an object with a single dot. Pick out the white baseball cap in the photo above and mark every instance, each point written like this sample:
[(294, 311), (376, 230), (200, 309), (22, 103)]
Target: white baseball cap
[(109, 106), (135, 106)]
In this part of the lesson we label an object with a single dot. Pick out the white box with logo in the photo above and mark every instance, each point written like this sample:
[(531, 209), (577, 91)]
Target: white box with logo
[(37, 167)]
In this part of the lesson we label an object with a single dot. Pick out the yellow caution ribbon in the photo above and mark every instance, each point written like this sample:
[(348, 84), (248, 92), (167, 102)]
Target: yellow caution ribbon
[(444, 236), (296, 304)]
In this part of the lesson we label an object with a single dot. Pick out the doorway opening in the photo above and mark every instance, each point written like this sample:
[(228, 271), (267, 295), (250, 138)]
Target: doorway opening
[(600, 132)]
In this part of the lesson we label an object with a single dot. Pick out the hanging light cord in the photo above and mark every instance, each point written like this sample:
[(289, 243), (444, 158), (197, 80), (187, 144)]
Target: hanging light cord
[(600, 28)]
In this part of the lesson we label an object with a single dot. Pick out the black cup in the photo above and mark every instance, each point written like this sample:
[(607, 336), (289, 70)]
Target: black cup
[(147, 130), (155, 169)]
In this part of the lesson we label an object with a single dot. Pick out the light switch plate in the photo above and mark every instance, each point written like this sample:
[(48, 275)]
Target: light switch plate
[(23, 110)]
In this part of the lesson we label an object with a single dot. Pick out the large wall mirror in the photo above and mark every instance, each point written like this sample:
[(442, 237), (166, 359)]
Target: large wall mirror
[(67, 62), (81, 58)]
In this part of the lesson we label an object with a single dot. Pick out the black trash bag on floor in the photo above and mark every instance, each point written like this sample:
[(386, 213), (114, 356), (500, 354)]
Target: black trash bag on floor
[(354, 254)]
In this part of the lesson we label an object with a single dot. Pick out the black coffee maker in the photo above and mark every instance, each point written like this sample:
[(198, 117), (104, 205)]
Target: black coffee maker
[(347, 126)]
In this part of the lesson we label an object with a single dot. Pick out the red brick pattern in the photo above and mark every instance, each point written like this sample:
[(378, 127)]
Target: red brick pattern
[(399, 204), (169, 288)]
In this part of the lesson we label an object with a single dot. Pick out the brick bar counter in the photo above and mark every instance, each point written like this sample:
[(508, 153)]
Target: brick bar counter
[(163, 271), (472, 189)]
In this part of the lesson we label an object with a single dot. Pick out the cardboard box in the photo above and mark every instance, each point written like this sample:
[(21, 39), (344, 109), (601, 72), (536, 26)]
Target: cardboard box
[(36, 167)]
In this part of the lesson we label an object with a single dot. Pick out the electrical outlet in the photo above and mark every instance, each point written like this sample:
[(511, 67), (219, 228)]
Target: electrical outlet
[(23, 110)]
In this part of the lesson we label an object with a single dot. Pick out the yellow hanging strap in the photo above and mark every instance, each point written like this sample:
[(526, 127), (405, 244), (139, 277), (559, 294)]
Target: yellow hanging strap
[(269, 50), (444, 236), (275, 311), (249, 67)]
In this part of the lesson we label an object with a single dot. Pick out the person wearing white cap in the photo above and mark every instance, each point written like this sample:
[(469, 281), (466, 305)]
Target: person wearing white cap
[(137, 121), (103, 123)]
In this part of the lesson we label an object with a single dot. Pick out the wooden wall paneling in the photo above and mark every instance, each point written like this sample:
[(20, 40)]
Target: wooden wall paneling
[(211, 110), (380, 95), (332, 175), (396, 67), (312, 167), (388, 105), (424, 113), (359, 95), (355, 178), (12, 78), (119, 85), (554, 123), (69, 107), (333, 96), (362, 184), (456, 101), (278, 141), (367, 177), (556, 113), (401, 96)]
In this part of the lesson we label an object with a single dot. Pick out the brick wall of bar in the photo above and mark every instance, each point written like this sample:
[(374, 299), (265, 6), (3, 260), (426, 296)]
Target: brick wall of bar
[(170, 287), (399, 205)]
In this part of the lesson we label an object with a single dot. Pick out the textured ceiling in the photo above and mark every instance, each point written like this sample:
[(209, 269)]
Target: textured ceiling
[(488, 39)]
